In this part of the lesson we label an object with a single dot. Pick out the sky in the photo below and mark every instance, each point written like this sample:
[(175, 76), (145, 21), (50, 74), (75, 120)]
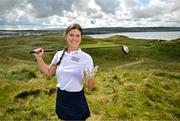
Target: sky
[(46, 14)]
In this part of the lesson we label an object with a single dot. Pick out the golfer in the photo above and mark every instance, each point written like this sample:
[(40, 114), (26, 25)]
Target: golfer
[(69, 65)]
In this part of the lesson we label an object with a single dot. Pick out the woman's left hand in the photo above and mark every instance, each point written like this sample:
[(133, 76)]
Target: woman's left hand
[(90, 73)]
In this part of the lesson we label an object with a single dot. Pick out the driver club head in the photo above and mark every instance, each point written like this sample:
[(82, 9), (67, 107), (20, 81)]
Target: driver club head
[(125, 49)]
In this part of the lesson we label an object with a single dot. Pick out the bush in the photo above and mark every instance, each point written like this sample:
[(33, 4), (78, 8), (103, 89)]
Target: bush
[(23, 74)]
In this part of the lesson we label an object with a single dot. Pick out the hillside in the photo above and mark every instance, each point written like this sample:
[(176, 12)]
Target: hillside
[(86, 31), (143, 85), (105, 30)]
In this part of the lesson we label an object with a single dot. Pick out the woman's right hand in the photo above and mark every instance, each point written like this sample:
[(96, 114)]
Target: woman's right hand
[(38, 52)]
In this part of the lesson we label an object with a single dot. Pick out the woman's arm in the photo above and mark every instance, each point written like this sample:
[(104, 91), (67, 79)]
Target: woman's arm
[(89, 76), (90, 84), (47, 70)]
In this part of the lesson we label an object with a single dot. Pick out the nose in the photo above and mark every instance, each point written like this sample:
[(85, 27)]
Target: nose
[(74, 37)]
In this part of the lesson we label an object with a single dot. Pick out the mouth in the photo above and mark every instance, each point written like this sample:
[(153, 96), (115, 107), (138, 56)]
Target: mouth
[(73, 42)]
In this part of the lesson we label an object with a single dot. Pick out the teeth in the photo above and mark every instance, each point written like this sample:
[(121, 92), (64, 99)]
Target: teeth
[(73, 42)]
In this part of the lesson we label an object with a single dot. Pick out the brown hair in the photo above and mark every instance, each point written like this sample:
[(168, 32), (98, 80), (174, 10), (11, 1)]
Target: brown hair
[(73, 26)]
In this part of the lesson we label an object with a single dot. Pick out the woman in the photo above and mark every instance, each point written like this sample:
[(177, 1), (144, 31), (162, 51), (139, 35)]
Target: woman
[(70, 66)]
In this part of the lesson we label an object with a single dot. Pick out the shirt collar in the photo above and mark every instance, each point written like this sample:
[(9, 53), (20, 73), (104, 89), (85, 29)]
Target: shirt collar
[(74, 52)]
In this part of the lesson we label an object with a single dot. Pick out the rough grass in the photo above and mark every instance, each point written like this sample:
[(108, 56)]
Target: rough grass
[(143, 85)]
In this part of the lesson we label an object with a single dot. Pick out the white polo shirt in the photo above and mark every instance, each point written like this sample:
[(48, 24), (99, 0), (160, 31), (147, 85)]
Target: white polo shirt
[(70, 72)]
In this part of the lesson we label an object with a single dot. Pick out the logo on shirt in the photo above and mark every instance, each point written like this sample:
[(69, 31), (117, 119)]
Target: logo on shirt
[(73, 58)]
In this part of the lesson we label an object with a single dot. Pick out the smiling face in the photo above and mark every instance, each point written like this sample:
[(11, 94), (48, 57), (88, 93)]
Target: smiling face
[(73, 35), (73, 39)]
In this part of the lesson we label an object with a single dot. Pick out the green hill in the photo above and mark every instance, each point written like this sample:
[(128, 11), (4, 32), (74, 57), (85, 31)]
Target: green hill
[(143, 85)]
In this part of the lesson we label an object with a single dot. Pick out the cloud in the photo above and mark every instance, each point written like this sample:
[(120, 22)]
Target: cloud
[(46, 8), (108, 6), (8, 5), (89, 13)]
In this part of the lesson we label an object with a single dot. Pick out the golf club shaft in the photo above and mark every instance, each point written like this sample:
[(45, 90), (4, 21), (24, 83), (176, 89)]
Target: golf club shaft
[(102, 47), (53, 50)]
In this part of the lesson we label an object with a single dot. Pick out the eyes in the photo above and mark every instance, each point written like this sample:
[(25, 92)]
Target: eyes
[(74, 35)]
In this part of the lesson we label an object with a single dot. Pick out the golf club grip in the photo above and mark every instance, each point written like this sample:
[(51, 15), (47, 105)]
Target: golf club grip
[(50, 50)]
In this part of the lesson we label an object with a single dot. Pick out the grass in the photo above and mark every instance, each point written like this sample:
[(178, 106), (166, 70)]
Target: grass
[(143, 85)]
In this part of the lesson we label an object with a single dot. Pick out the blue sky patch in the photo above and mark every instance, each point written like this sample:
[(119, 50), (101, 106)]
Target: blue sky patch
[(144, 2)]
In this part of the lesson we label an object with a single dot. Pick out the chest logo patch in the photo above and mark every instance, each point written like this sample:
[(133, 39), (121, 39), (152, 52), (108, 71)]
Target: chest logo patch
[(73, 58)]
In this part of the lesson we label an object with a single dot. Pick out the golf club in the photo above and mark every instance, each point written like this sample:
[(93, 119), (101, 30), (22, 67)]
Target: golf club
[(125, 49)]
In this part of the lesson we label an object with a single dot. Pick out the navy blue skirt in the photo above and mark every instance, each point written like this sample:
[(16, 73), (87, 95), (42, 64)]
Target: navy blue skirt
[(71, 105)]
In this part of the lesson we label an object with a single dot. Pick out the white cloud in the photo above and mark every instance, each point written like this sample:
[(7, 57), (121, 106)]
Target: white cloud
[(108, 6), (89, 13)]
